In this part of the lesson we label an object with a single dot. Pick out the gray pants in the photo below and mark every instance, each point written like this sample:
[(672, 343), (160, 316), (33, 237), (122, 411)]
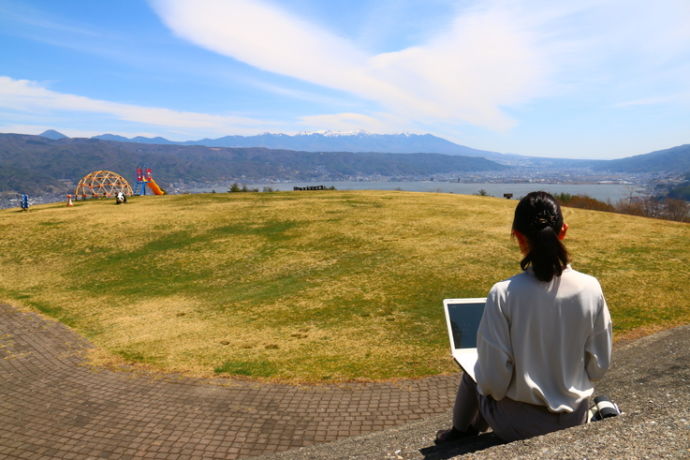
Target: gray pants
[(510, 420)]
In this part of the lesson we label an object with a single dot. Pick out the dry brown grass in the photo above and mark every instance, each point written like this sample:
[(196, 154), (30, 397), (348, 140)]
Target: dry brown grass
[(317, 286)]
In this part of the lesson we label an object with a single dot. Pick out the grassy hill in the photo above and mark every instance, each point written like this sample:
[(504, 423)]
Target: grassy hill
[(314, 286)]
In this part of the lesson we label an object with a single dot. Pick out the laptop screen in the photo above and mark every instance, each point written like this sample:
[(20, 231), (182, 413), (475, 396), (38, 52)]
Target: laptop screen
[(464, 322)]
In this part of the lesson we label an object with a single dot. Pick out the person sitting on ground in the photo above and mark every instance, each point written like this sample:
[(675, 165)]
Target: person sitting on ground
[(545, 336)]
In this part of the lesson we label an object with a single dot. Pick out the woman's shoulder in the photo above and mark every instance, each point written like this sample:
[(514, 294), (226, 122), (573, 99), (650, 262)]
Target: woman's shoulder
[(527, 280), (526, 276), (514, 281), (575, 275)]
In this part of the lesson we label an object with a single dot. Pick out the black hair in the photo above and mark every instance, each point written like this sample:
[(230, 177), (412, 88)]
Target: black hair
[(538, 217)]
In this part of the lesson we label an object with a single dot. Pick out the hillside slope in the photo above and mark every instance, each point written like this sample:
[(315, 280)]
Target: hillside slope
[(33, 161), (674, 160), (308, 286)]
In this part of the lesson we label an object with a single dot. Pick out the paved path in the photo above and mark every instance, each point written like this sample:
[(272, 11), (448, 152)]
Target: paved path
[(52, 406), (650, 381)]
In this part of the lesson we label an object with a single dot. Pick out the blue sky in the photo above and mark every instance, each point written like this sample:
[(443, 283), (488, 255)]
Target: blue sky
[(578, 79)]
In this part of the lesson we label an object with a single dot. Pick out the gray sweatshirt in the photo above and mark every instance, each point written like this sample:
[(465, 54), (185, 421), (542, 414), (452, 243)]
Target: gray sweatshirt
[(544, 343)]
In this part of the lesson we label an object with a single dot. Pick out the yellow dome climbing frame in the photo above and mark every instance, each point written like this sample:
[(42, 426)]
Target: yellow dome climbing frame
[(99, 184)]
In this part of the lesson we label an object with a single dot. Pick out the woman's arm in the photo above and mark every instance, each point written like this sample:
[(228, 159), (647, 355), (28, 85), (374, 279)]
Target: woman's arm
[(598, 345), (495, 365)]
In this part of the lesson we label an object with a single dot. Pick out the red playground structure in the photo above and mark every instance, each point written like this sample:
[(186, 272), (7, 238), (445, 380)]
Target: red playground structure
[(144, 178)]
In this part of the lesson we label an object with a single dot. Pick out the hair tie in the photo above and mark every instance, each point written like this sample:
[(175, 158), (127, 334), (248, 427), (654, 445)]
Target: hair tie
[(543, 220)]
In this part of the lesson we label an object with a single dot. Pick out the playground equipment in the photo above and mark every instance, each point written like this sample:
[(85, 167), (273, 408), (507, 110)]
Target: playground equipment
[(99, 184), (144, 178)]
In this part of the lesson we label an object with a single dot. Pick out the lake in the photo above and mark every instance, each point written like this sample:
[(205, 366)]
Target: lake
[(603, 192)]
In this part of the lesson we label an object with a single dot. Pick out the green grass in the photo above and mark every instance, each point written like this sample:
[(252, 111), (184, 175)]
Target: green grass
[(308, 287), (258, 368)]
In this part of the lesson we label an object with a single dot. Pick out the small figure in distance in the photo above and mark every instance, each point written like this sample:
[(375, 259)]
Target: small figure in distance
[(24, 202), (545, 336), (120, 198)]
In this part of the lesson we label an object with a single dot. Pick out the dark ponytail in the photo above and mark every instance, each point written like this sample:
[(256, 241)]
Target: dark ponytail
[(538, 217)]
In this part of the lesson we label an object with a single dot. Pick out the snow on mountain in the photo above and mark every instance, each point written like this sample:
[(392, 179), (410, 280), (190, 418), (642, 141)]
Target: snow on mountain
[(335, 141)]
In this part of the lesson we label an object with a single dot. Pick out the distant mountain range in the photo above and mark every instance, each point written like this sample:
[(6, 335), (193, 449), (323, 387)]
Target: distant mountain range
[(675, 159), (39, 163), (358, 142), (50, 161)]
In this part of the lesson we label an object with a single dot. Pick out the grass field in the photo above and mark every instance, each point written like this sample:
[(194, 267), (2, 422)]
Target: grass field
[(308, 287)]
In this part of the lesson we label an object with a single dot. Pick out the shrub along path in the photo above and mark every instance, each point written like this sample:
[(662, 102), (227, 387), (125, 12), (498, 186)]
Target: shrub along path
[(53, 406)]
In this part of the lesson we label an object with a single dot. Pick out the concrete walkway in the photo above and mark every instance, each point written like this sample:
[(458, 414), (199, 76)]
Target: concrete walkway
[(650, 381), (52, 406)]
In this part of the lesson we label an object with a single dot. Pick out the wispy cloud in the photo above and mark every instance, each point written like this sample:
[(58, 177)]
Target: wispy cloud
[(292, 93), (26, 96), (460, 74), (516, 67), (676, 98), (23, 13), (491, 56)]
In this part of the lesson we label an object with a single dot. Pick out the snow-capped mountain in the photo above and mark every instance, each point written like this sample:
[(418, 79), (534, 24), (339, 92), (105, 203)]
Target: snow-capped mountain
[(333, 141)]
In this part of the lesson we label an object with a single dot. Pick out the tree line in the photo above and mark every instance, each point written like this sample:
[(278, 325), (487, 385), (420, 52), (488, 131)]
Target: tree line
[(657, 207)]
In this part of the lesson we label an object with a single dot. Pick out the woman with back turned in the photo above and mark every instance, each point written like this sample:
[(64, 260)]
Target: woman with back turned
[(544, 338)]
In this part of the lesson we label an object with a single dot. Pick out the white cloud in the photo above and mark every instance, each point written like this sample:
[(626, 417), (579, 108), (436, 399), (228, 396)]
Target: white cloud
[(293, 93), (38, 128), (265, 37), (466, 73), (492, 56), (23, 99), (484, 61), (30, 97), (676, 98)]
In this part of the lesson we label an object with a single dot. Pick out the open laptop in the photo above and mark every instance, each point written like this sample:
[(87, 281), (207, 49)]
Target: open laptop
[(462, 318)]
